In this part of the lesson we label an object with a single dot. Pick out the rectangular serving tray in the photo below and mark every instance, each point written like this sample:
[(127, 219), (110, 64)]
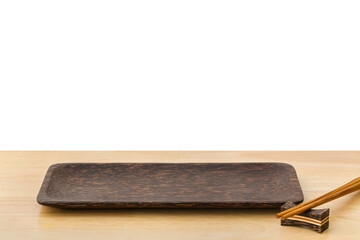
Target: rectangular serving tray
[(170, 185)]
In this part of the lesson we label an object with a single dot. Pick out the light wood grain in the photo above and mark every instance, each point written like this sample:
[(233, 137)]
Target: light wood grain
[(21, 174)]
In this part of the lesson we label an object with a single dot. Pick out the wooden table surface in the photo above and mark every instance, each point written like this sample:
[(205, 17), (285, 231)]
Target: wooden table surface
[(21, 175)]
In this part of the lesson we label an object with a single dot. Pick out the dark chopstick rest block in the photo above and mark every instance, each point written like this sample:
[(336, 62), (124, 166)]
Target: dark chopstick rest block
[(170, 185), (313, 219)]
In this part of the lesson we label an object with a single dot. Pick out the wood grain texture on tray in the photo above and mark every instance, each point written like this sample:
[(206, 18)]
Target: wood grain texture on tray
[(174, 185)]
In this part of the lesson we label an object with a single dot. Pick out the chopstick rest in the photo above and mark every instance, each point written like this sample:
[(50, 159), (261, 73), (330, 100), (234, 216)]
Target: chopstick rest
[(348, 188), (314, 219), (295, 212)]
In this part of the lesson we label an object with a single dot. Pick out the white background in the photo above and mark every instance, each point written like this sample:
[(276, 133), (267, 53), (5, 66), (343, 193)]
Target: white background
[(179, 75)]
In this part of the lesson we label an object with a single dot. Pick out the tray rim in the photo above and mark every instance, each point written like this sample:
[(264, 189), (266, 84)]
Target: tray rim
[(44, 199)]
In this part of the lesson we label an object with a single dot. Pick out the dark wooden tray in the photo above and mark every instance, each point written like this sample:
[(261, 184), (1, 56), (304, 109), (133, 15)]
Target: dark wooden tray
[(185, 185)]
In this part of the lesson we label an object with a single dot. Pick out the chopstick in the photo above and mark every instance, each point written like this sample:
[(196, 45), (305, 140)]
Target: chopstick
[(350, 187), (356, 180), (321, 201)]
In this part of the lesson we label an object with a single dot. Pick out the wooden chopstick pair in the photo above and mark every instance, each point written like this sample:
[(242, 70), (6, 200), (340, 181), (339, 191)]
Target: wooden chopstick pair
[(350, 187)]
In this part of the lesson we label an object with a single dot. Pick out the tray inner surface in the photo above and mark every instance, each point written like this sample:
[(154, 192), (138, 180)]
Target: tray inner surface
[(167, 185)]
